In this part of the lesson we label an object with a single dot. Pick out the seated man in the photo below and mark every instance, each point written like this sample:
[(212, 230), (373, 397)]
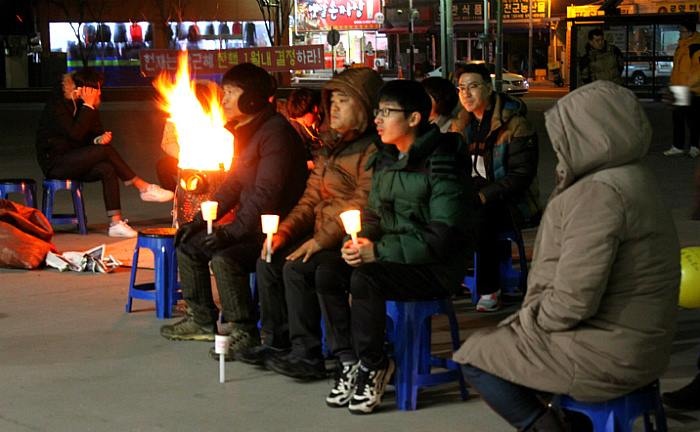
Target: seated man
[(598, 318), (503, 148), (72, 144), (414, 243), (267, 176)]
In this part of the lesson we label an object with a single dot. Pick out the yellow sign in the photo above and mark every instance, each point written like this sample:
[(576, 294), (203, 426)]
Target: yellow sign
[(593, 10)]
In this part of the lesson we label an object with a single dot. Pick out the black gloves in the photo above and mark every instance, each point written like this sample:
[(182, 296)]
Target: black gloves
[(219, 239), (188, 230)]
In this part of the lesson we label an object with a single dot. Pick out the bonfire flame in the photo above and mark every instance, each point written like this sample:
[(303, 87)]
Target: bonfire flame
[(204, 142)]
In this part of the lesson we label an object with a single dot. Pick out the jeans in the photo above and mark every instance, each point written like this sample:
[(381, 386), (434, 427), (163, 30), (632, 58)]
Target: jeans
[(370, 286), (93, 163), (517, 404)]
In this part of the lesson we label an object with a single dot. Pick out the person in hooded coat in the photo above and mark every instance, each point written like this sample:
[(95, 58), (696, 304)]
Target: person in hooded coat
[(598, 318)]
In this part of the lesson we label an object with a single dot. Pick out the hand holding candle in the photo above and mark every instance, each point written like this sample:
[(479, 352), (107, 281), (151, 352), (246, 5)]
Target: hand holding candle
[(352, 224), (209, 209), (269, 227)]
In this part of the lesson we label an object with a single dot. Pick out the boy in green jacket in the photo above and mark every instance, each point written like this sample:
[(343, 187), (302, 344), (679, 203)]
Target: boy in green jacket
[(414, 243)]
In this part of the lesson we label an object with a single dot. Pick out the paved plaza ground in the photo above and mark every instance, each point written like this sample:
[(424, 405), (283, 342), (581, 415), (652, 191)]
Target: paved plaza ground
[(71, 359)]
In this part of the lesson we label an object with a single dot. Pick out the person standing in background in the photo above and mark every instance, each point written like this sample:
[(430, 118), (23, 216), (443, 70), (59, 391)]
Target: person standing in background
[(602, 60)]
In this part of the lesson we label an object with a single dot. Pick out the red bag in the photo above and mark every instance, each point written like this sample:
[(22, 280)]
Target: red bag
[(25, 236)]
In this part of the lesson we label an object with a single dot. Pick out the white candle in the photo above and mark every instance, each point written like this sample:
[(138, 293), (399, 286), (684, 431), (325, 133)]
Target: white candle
[(352, 223), (209, 209), (269, 227), (221, 344)]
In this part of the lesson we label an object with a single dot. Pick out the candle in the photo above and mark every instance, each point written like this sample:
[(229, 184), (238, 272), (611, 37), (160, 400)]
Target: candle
[(221, 344), (352, 224), (209, 209), (269, 227)]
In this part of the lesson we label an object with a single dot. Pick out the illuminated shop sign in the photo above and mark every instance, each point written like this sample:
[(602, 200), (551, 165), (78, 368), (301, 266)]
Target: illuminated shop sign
[(314, 15), (272, 59)]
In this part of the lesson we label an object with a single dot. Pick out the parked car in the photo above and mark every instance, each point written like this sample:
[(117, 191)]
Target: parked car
[(512, 83), (637, 73)]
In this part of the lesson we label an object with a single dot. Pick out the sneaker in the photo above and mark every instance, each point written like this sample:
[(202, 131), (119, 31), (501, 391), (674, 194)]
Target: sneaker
[(685, 398), (155, 193), (489, 302), (292, 365), (694, 152), (240, 340), (344, 387), (673, 151), (370, 388), (121, 229), (257, 355), (187, 329)]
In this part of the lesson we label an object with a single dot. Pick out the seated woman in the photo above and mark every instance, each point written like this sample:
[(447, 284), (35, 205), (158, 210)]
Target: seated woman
[(599, 315), (72, 144), (414, 245)]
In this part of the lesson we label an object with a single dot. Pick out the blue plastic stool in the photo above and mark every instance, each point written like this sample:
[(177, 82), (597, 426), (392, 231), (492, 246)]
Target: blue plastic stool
[(410, 333), (51, 186), (164, 290), (512, 280), (618, 415), (26, 187)]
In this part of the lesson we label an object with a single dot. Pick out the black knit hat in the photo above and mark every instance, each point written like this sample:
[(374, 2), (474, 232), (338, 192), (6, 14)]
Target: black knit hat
[(256, 83)]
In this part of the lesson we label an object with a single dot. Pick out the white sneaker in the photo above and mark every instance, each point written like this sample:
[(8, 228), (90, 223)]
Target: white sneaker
[(674, 151), (694, 152), (121, 229), (489, 302), (155, 193), (369, 388)]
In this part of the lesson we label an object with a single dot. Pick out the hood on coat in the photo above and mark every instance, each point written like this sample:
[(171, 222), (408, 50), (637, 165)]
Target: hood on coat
[(362, 84), (600, 125)]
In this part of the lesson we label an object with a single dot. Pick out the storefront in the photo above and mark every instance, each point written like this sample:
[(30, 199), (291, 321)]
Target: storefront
[(357, 23), (114, 47)]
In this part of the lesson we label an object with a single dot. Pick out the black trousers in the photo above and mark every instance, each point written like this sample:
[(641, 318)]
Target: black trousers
[(93, 163), (357, 330), (493, 219), (167, 171), (301, 281), (232, 267), (686, 117), (273, 305)]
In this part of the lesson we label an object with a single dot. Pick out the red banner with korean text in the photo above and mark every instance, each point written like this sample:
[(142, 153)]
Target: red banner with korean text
[(314, 15), (272, 59)]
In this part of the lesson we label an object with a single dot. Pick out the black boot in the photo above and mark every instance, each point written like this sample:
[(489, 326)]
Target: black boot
[(551, 421), (685, 398)]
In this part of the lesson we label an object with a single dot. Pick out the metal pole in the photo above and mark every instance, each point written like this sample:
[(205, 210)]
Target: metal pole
[(449, 42), (499, 45), (484, 37), (410, 40), (529, 41)]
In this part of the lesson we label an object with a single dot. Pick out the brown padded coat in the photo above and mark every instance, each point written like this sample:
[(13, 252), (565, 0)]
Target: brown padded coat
[(339, 180), (598, 318)]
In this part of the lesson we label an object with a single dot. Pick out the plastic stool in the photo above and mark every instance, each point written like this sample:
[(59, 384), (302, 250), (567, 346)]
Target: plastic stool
[(410, 332), (618, 415), (511, 280), (51, 186), (26, 187), (164, 290)]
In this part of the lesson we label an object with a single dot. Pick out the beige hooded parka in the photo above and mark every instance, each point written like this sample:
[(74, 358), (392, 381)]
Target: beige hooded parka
[(598, 318)]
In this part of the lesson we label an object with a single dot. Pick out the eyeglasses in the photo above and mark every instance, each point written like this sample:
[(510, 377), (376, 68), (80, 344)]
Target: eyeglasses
[(386, 112), (469, 87)]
